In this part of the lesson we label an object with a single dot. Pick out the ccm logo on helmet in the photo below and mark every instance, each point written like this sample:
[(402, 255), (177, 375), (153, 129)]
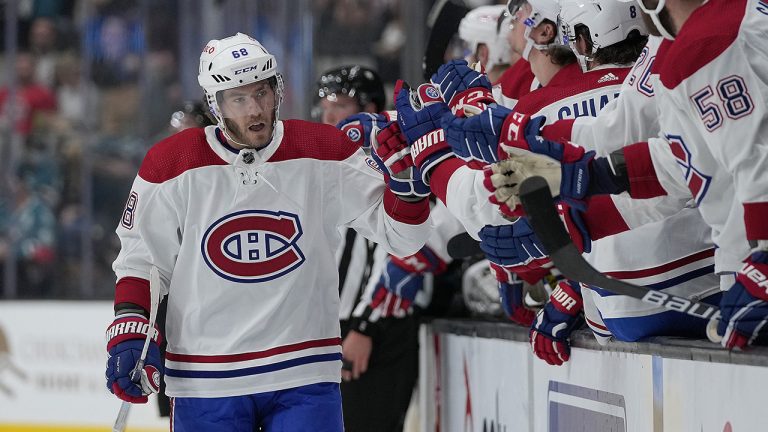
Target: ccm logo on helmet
[(247, 69), (253, 245)]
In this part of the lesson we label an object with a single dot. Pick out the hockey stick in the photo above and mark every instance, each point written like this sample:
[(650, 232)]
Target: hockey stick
[(443, 19), (154, 298), (542, 215)]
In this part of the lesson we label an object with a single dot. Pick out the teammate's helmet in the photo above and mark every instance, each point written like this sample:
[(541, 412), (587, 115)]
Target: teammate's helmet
[(480, 290), (486, 25), (541, 10), (358, 82), (609, 22), (233, 62)]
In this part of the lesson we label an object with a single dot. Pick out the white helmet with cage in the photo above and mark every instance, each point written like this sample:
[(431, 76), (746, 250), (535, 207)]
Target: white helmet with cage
[(487, 25), (233, 62), (609, 22), (541, 10)]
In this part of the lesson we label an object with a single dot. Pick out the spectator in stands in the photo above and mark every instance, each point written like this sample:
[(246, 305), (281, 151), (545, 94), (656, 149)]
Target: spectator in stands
[(34, 102), (42, 44)]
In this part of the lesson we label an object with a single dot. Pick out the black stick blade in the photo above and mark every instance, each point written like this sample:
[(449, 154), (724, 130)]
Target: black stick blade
[(463, 246)]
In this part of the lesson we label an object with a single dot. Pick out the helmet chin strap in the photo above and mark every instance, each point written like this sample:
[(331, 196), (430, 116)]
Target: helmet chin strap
[(530, 44)]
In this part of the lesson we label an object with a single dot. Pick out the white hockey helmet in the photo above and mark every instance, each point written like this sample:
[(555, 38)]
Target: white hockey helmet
[(609, 22), (654, 14), (487, 25), (233, 62), (540, 10)]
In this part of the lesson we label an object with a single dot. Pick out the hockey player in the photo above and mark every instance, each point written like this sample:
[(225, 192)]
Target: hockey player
[(484, 30), (702, 107), (683, 266), (242, 221)]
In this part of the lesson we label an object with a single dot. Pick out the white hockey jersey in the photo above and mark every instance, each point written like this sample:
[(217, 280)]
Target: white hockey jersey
[(676, 252), (246, 240), (714, 118)]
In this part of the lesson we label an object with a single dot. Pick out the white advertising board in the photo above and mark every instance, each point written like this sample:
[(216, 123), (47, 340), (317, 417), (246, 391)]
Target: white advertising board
[(52, 361), (476, 384)]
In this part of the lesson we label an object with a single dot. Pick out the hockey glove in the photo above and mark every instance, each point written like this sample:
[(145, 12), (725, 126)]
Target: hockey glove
[(466, 90), (503, 180), (511, 296), (419, 113), (361, 128), (393, 157), (125, 340), (744, 307), (476, 137), (522, 134), (551, 331), (396, 290), (514, 246)]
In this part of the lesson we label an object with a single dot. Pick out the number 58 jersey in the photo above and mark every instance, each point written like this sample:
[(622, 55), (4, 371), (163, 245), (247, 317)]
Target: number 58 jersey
[(246, 240)]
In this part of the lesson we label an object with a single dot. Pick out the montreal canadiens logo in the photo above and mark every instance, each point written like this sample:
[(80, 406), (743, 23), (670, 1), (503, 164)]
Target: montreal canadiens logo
[(354, 134), (432, 92), (373, 165), (253, 245)]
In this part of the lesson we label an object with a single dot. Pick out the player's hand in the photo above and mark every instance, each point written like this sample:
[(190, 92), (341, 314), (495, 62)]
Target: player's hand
[(418, 113), (125, 340), (466, 90), (744, 307), (393, 157), (356, 352), (361, 128), (503, 180), (476, 137), (513, 246), (396, 290), (551, 331), (511, 295), (522, 134)]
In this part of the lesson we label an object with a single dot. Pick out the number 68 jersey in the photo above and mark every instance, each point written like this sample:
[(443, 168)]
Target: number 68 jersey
[(247, 240)]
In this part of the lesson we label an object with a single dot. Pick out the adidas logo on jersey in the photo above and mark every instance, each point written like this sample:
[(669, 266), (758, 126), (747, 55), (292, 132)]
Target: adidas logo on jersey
[(608, 77)]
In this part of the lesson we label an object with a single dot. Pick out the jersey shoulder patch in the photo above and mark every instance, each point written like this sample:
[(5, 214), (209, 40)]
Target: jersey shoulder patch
[(709, 31), (177, 154), (308, 140)]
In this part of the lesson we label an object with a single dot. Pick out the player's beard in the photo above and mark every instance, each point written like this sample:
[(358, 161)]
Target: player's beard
[(249, 138)]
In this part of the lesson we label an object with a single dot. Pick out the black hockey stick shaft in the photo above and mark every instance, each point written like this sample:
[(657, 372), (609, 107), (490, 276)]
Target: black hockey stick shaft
[(543, 217)]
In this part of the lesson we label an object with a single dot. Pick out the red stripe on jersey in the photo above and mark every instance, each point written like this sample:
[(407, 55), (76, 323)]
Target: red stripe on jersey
[(643, 182), (307, 140), (653, 271), (133, 290), (603, 218), (413, 213), (707, 33), (177, 154), (231, 358), (438, 181), (596, 325), (755, 217)]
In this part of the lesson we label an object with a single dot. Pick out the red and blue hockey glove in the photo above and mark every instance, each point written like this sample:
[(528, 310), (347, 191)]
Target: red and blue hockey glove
[(361, 128), (513, 246), (125, 340), (466, 91), (393, 156), (744, 307), (512, 297), (419, 113), (476, 137), (551, 331), (396, 290)]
